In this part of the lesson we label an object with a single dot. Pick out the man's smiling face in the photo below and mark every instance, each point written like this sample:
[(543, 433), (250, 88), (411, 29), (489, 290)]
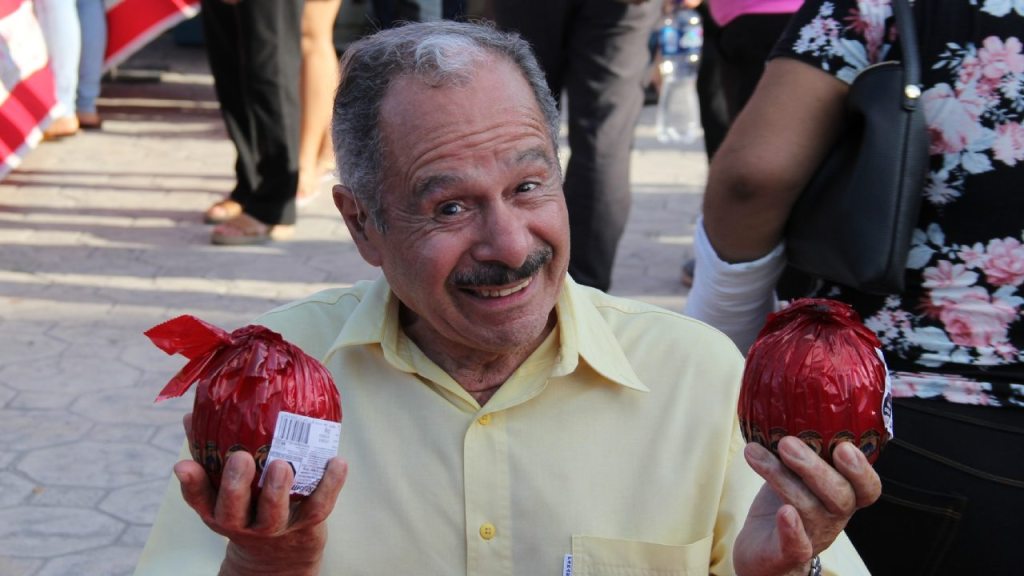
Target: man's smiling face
[(477, 240)]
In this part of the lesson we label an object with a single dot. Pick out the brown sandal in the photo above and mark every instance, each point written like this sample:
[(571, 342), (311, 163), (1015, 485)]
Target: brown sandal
[(244, 230), (90, 121), (222, 211)]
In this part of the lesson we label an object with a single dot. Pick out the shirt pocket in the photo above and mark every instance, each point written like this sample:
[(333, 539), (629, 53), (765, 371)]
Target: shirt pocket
[(593, 556)]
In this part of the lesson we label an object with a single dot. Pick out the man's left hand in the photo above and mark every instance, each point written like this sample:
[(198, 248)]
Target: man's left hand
[(802, 507)]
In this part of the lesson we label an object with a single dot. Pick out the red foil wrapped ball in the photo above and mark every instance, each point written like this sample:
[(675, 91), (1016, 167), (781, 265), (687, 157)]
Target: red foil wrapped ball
[(244, 380), (817, 373)]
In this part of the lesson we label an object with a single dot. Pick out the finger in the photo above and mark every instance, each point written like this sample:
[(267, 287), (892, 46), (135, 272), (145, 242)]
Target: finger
[(795, 546), (783, 481), (321, 502), (825, 483), (234, 497), (272, 510), (186, 421), (854, 466), (196, 489)]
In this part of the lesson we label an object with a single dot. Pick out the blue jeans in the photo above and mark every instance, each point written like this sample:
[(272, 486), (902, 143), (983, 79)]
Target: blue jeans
[(59, 22), (92, 17)]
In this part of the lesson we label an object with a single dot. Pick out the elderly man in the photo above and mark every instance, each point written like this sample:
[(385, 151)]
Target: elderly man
[(499, 418)]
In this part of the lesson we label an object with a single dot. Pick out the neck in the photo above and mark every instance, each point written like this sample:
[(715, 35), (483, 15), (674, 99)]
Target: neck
[(479, 372)]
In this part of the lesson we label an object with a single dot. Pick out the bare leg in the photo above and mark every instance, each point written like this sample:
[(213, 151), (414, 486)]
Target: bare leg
[(319, 79)]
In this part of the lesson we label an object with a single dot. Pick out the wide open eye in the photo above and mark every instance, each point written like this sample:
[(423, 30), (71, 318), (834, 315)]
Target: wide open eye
[(450, 209)]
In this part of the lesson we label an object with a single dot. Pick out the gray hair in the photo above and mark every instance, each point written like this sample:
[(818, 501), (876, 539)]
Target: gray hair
[(443, 53)]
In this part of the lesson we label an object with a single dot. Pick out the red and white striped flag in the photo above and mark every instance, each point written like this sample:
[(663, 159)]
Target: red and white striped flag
[(27, 99), (131, 24)]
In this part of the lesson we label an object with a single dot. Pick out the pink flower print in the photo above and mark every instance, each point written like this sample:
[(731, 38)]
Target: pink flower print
[(973, 256), (946, 275), (1009, 145), (974, 320), (952, 120), (964, 391), (1006, 351), (1004, 264), (868, 19), (970, 70), (999, 59)]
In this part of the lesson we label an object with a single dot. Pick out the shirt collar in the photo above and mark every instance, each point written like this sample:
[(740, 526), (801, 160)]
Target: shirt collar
[(586, 334), (583, 332)]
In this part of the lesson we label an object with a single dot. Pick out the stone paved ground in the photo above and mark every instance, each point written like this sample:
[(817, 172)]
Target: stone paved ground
[(100, 238)]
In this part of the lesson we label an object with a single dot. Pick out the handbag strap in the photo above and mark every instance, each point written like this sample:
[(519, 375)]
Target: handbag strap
[(911, 60)]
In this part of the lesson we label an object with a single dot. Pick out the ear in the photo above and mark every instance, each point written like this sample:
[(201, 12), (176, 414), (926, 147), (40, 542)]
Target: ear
[(357, 221)]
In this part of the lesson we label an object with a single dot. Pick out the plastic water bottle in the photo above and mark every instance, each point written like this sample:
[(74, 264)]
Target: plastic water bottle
[(678, 115)]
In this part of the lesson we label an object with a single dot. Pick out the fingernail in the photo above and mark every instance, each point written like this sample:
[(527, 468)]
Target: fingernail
[(232, 470), (275, 477), (848, 456), (757, 453)]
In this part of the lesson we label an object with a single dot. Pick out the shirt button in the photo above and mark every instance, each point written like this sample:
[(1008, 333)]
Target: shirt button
[(487, 531), (484, 420)]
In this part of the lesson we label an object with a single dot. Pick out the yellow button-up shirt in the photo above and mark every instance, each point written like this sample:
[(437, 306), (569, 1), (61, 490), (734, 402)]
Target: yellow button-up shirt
[(614, 449)]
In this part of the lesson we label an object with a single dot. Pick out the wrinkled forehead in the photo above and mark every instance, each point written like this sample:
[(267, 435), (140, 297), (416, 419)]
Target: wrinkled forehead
[(494, 91)]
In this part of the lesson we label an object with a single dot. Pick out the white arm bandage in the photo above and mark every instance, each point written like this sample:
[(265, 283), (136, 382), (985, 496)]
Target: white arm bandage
[(735, 298)]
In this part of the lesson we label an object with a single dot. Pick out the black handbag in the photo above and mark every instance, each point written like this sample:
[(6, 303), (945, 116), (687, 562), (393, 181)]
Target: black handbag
[(853, 223)]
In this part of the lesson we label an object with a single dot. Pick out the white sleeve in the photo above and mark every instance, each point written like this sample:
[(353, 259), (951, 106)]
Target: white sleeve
[(735, 298)]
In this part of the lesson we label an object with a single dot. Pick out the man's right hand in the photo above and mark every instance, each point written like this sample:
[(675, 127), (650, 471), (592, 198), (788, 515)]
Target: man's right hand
[(272, 535)]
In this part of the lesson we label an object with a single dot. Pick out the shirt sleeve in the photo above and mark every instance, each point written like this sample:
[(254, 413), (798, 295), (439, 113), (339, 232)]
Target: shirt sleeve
[(841, 37), (179, 542)]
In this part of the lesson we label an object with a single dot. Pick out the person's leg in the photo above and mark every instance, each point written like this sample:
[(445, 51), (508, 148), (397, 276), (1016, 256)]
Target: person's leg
[(544, 24), (608, 54), (58, 20), (270, 42), (745, 45), (93, 20), (319, 80), (714, 115), (221, 36)]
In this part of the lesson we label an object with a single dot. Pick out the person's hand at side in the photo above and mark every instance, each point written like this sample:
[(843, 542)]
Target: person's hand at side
[(271, 535), (802, 507)]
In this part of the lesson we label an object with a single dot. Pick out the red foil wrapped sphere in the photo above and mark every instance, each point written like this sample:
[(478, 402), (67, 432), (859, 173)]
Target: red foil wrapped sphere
[(244, 379), (817, 373)]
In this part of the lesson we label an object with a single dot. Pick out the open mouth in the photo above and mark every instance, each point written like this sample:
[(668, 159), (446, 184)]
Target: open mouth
[(500, 292)]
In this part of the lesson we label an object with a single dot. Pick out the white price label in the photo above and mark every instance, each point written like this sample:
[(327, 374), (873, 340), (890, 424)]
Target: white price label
[(305, 443)]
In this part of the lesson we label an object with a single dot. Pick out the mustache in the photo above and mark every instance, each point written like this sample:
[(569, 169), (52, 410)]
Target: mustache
[(494, 274)]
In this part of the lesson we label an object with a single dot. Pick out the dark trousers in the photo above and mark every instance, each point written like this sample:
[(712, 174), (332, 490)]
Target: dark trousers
[(256, 57), (597, 52), (952, 493), (744, 45), (714, 114)]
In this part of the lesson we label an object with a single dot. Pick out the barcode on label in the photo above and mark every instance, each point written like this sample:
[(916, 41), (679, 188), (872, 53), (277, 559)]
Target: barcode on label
[(307, 444), (291, 427)]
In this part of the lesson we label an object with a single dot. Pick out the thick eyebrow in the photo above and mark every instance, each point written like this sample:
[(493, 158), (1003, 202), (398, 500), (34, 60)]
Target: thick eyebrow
[(435, 182), (535, 154)]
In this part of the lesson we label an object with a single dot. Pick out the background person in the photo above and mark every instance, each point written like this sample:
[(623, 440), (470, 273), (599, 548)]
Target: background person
[(597, 52), (319, 79), (255, 58), (58, 20), (954, 339), (92, 17)]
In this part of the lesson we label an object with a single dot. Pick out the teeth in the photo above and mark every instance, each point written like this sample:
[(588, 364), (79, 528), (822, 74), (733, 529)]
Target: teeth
[(505, 291)]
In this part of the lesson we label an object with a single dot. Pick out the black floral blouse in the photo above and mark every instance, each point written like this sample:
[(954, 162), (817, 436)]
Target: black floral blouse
[(957, 332)]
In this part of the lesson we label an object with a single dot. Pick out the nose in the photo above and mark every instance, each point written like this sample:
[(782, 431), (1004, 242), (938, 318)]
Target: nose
[(503, 236)]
